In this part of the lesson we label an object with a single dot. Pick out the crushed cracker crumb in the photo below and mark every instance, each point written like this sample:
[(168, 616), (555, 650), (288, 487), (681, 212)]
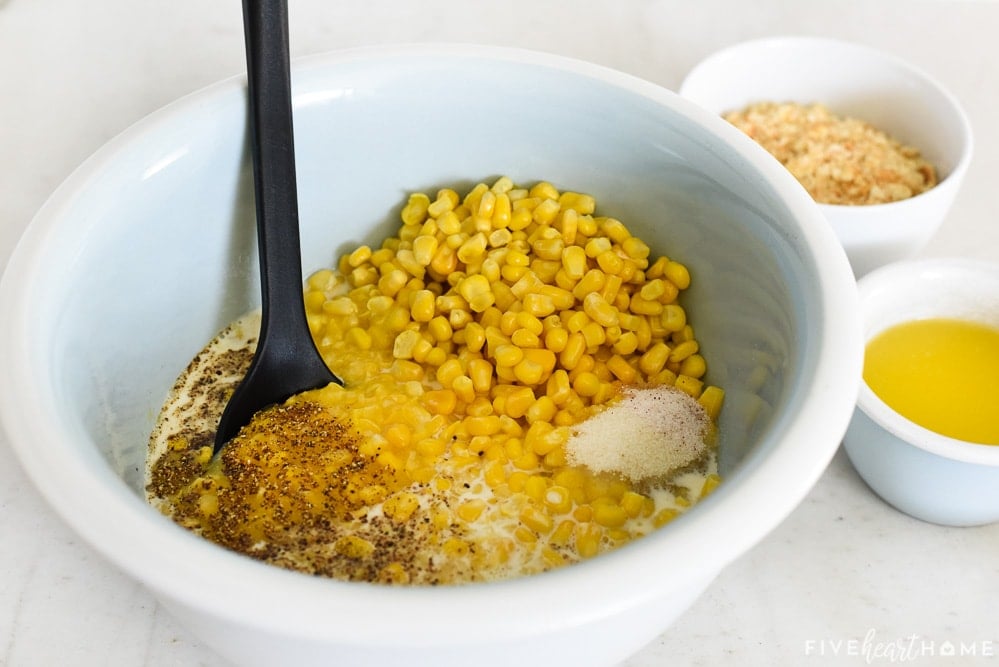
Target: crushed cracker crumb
[(838, 159)]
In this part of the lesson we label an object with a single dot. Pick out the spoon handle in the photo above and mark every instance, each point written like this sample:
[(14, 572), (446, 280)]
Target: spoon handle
[(286, 360), (272, 140)]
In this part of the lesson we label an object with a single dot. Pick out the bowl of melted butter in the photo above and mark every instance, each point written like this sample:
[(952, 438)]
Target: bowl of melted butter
[(924, 435), (596, 345)]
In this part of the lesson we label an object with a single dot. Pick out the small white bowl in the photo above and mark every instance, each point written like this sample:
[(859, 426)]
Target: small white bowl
[(864, 83), (922, 473)]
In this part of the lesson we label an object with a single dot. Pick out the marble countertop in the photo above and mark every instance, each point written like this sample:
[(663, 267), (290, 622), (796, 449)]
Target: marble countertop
[(841, 578)]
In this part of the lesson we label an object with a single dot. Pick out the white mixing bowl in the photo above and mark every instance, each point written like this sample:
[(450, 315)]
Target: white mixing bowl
[(148, 249)]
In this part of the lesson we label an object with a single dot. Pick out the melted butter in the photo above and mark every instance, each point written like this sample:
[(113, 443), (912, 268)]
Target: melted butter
[(940, 373)]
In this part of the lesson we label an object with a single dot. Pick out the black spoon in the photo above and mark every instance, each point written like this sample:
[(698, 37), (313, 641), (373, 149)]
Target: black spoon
[(286, 361)]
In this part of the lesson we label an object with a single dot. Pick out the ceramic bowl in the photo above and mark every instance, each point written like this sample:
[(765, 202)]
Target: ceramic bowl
[(922, 473), (865, 83), (149, 249)]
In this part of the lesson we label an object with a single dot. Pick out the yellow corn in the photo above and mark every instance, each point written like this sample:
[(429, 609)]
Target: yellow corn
[(711, 482), (677, 274), (689, 385), (400, 506), (683, 350), (598, 310), (695, 366), (635, 248), (588, 537), (711, 400), (536, 519), (545, 212), (592, 281), (353, 547), (508, 316), (654, 359)]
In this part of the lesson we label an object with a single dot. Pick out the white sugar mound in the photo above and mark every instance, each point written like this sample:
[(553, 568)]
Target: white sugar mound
[(648, 433)]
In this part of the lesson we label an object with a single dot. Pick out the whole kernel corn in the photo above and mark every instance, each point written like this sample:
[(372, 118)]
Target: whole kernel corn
[(511, 315)]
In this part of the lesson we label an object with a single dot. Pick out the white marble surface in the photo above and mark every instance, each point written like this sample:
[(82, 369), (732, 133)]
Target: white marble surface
[(843, 576)]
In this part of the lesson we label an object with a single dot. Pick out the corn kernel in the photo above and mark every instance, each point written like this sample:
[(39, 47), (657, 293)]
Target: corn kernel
[(691, 386), (525, 535), (562, 534), (447, 199), (711, 482), (415, 211), (654, 359), (621, 369), (424, 249), (494, 474), (694, 366), (574, 262), (526, 461), (597, 246), (593, 334), (677, 274), (633, 503), (673, 318), (530, 322), (524, 338), (569, 225), (475, 336), (471, 509), (545, 212), (353, 547), (449, 371), (549, 249), (544, 190), (400, 506), (610, 262), (463, 388), (542, 410), (626, 343), (635, 248), (711, 400), (562, 298), (609, 514), (576, 201), (481, 373), (640, 306), (508, 355), (664, 516), (488, 425), (592, 281), (444, 261), (528, 372), (536, 519), (588, 539), (535, 487), (586, 384), (518, 401), (558, 499), (598, 310), (422, 305), (683, 350), (615, 230)]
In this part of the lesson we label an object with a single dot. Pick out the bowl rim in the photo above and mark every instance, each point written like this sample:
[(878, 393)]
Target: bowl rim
[(883, 415), (130, 534), (799, 42)]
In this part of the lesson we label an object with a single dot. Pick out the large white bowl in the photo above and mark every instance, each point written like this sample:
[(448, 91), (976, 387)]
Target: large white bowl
[(865, 83), (148, 249), (922, 473)]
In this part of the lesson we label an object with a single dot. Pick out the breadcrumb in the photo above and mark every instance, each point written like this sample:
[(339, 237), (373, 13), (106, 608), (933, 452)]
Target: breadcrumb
[(838, 159)]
